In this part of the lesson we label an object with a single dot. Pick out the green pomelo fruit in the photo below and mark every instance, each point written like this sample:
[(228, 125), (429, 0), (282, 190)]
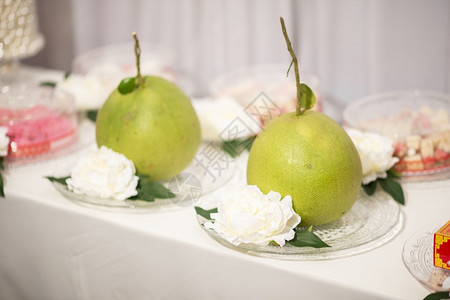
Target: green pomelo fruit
[(311, 158), (155, 126)]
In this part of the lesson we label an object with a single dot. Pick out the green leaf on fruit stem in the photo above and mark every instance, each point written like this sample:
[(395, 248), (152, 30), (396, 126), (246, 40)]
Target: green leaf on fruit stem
[(308, 99), (306, 238), (127, 85), (393, 188), (205, 213), (370, 187), (151, 190)]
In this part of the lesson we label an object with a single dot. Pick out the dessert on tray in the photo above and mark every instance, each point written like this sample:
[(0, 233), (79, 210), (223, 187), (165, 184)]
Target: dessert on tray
[(421, 138), (417, 122), (38, 121)]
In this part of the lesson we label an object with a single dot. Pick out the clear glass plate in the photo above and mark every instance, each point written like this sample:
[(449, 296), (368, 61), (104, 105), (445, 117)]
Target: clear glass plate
[(201, 177), (403, 115), (84, 139), (370, 223), (418, 258)]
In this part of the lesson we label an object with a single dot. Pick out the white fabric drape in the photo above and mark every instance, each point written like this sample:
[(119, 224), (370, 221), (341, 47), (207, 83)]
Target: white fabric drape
[(356, 47)]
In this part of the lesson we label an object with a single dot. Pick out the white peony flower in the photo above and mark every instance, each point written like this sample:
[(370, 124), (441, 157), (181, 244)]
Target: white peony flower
[(89, 91), (376, 152), (247, 215), (4, 141), (104, 173)]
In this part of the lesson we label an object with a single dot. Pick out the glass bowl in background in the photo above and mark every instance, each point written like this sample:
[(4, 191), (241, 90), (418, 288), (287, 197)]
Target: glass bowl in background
[(264, 89), (418, 124), (40, 121), (96, 73)]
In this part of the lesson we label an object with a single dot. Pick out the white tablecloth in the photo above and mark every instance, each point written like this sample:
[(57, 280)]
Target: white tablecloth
[(52, 248)]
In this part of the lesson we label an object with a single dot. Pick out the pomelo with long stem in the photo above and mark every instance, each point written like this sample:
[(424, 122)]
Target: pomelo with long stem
[(309, 156), (152, 122)]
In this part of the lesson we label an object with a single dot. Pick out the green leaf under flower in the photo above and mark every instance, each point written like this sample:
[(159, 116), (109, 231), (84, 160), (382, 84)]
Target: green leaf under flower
[(2, 182), (48, 83), (370, 188), (235, 147), (395, 174), (306, 238), (151, 190), (61, 180), (92, 115), (389, 184), (147, 190), (438, 296), (205, 213), (302, 238), (393, 188)]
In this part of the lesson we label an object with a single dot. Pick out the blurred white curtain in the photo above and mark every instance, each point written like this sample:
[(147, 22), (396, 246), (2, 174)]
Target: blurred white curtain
[(356, 47)]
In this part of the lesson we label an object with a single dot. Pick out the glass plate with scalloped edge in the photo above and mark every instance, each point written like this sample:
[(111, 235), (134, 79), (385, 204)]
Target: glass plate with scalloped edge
[(201, 177), (418, 258), (372, 222)]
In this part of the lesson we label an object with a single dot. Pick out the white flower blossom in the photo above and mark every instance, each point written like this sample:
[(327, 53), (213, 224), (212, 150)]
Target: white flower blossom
[(376, 153), (104, 173), (220, 116), (89, 91), (4, 141), (247, 215)]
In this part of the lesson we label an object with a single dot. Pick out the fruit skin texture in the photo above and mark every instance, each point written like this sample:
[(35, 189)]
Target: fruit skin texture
[(311, 158), (155, 126)]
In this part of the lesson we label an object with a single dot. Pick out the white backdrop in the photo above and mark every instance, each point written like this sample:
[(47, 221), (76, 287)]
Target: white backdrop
[(356, 47)]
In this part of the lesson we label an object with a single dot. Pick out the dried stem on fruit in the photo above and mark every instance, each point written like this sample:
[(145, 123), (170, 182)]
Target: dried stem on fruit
[(137, 51), (298, 111)]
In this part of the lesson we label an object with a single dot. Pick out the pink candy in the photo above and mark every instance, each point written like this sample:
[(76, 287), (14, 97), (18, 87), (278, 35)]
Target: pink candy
[(36, 130)]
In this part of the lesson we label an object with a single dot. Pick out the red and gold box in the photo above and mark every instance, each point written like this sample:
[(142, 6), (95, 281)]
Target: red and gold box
[(441, 257)]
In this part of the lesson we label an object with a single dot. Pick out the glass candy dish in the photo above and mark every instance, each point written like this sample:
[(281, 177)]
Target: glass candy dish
[(417, 122), (418, 258), (40, 121)]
